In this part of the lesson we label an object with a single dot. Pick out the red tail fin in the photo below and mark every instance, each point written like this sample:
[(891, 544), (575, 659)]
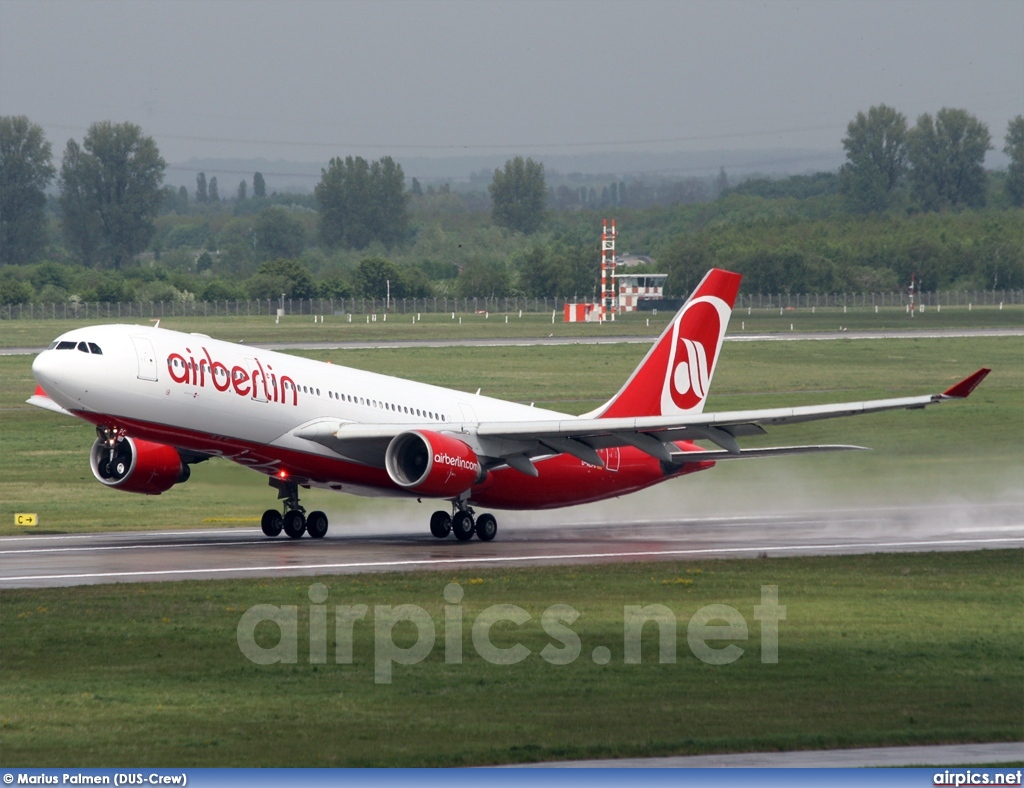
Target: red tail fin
[(675, 376)]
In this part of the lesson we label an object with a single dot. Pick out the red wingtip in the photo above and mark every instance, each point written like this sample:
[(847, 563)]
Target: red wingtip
[(967, 385)]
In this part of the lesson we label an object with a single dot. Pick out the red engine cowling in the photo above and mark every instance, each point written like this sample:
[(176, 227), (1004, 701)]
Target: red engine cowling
[(137, 466), (432, 464)]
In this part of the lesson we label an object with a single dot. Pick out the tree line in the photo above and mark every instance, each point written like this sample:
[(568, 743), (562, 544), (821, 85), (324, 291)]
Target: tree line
[(362, 230), (938, 163)]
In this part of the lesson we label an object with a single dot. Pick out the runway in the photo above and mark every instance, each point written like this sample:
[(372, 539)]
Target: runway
[(129, 557)]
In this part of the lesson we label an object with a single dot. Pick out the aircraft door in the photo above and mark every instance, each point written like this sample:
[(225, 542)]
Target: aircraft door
[(146, 357)]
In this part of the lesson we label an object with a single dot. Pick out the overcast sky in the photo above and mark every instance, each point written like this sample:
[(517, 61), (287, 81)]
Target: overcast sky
[(304, 80)]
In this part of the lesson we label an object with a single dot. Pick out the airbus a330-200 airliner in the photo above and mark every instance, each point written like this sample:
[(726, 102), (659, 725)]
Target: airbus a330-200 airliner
[(162, 400)]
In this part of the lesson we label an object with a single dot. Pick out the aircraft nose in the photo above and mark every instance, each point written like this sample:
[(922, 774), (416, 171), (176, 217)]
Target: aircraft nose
[(46, 369)]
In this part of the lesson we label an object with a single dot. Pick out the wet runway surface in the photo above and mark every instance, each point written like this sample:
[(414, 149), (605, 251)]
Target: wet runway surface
[(40, 561)]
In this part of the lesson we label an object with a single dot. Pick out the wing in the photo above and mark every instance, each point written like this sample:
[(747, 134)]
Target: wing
[(517, 444), (42, 400)]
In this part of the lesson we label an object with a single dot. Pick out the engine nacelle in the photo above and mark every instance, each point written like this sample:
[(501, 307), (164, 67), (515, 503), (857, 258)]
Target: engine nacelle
[(137, 466), (433, 464)]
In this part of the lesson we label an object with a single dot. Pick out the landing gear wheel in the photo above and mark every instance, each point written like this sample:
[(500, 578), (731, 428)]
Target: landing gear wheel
[(462, 525), (294, 524), (316, 525), (272, 522), (440, 524), (486, 527)]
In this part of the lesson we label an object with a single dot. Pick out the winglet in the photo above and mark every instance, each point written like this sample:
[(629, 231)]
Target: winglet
[(962, 389)]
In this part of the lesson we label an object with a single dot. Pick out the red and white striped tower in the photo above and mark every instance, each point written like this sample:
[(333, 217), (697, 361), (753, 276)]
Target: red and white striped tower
[(608, 295)]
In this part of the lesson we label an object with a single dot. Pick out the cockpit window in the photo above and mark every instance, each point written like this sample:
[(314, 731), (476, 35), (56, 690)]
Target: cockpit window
[(85, 347)]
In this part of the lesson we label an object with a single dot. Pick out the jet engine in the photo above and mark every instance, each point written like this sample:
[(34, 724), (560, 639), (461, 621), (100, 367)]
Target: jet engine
[(137, 466), (433, 464)]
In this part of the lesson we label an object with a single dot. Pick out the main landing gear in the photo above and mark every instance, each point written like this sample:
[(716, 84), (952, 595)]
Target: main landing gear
[(461, 523), (293, 520)]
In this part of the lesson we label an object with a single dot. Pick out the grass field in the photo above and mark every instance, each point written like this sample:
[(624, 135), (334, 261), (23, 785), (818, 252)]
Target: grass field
[(965, 451), (336, 328), (874, 650)]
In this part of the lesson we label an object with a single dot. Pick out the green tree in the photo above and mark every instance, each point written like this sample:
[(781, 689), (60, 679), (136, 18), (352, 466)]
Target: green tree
[(285, 276), (336, 286), (480, 277), (561, 270), (219, 290), (519, 195), (335, 195), (259, 186), (15, 291), (214, 194), (51, 274), (361, 203), (374, 275), (26, 169), (876, 153), (1015, 150), (278, 233), (389, 220), (202, 194), (947, 158), (243, 191), (110, 193)]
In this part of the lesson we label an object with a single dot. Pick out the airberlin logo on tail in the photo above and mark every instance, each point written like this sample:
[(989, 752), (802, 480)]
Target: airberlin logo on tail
[(692, 376), (697, 339)]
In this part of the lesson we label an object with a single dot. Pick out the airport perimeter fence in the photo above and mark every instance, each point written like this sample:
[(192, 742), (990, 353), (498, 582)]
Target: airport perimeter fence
[(76, 310)]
